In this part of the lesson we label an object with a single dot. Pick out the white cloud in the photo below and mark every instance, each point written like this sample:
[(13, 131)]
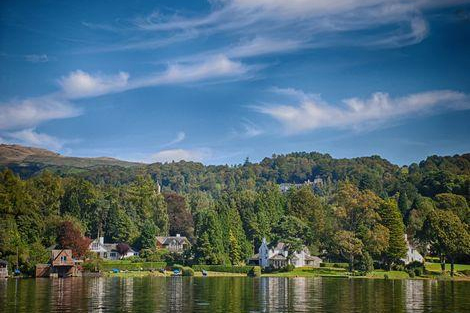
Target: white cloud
[(180, 136), (31, 112), (215, 67), (196, 155), (29, 137), (297, 24), (37, 58), (313, 113), (80, 84)]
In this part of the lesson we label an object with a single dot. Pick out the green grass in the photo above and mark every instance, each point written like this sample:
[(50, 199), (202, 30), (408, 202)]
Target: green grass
[(390, 274), (311, 272), (436, 267)]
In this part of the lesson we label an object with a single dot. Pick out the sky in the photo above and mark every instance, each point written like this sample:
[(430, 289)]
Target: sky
[(218, 81)]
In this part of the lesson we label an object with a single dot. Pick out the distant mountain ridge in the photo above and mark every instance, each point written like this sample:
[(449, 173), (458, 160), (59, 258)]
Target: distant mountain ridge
[(24, 156)]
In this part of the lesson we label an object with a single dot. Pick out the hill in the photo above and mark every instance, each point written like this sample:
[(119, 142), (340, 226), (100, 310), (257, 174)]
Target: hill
[(31, 159)]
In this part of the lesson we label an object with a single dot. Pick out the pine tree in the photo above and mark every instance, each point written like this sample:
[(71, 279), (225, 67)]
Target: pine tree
[(235, 251), (393, 220)]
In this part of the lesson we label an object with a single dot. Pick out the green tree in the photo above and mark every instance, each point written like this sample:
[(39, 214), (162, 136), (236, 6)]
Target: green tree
[(392, 219), (235, 250), (148, 235), (349, 246), (209, 247), (447, 235)]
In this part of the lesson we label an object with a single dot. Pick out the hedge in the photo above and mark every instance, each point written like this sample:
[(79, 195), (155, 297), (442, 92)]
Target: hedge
[(125, 266), (187, 271), (223, 268), (255, 272), (337, 265)]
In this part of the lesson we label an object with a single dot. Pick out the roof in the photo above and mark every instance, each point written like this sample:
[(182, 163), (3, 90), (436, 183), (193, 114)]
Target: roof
[(278, 257), (255, 256), (166, 240)]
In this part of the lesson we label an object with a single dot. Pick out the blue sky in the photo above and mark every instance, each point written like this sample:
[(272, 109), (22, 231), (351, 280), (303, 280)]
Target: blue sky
[(221, 80)]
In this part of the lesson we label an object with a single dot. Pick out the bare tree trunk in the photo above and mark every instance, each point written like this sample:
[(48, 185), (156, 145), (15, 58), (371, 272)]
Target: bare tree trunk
[(351, 263), (443, 263), (452, 267)]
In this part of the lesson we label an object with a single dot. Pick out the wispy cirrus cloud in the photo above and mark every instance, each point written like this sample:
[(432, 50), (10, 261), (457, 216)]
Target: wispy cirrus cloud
[(170, 155), (80, 84), (37, 58), (30, 112), (180, 136), (311, 112), (30, 137)]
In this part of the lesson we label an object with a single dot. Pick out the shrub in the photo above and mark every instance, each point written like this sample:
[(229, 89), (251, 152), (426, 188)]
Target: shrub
[(93, 265), (187, 271), (289, 268), (255, 272), (336, 265), (223, 268), (415, 268), (128, 266)]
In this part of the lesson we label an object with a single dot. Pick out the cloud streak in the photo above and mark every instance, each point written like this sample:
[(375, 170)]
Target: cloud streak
[(195, 155), (313, 113)]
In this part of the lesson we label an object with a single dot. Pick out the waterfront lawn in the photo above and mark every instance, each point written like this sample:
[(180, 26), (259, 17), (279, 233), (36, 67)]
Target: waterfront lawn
[(310, 272), (436, 267), (390, 274)]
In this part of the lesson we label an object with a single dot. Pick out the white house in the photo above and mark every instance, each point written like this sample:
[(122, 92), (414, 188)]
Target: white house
[(278, 256), (109, 250), (412, 255), (176, 243)]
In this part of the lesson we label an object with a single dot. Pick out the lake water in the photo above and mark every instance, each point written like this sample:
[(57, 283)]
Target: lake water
[(232, 294)]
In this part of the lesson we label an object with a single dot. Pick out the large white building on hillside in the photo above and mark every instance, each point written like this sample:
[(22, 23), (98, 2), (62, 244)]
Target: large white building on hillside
[(278, 256)]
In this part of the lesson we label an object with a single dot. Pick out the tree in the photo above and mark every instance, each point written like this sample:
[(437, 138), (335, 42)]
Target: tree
[(209, 246), (70, 237), (180, 219), (142, 195), (349, 246), (235, 250), (447, 235), (392, 219), (455, 203), (123, 248), (148, 235)]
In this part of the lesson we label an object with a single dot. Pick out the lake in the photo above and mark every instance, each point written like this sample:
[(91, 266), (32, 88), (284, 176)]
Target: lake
[(232, 294)]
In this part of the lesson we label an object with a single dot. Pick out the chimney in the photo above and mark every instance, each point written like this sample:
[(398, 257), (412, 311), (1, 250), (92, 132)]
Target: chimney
[(102, 240)]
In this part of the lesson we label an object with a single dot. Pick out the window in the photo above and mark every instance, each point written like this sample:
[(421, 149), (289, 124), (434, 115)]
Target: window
[(105, 254), (63, 259)]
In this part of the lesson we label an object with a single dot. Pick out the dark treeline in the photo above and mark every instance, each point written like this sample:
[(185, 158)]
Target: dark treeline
[(358, 212)]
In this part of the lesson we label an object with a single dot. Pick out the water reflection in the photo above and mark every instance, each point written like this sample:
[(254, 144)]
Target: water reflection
[(236, 294)]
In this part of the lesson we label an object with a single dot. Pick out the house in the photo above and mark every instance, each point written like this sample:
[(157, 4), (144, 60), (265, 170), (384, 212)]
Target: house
[(109, 250), (278, 256), (317, 182), (176, 243), (61, 264), (3, 269), (412, 255)]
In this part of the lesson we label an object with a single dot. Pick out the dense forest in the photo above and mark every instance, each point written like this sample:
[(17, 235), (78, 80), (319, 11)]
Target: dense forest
[(357, 211)]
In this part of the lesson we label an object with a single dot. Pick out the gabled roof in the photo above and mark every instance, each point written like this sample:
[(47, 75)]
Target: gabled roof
[(278, 257), (168, 239)]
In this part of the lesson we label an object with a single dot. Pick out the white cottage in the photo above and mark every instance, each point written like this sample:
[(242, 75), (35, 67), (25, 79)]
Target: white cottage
[(278, 256), (412, 255), (109, 250)]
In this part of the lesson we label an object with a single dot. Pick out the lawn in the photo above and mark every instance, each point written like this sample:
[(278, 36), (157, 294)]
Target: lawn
[(311, 272), (390, 274), (436, 267)]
